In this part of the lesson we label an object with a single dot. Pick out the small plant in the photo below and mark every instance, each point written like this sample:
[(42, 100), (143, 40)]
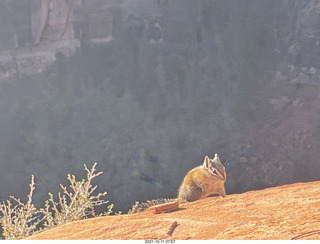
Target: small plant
[(77, 203), (20, 220), (23, 219), (138, 207)]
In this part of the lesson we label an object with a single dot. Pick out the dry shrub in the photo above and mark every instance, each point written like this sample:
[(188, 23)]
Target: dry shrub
[(75, 203), (20, 220)]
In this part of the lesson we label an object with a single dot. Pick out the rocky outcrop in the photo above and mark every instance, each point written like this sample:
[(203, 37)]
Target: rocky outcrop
[(29, 43), (280, 213)]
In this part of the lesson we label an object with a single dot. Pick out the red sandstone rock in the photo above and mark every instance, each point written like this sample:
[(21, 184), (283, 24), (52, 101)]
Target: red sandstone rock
[(284, 212), (164, 208)]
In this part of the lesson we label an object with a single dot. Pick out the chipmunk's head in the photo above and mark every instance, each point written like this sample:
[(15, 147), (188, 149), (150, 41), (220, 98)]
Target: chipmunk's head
[(215, 167)]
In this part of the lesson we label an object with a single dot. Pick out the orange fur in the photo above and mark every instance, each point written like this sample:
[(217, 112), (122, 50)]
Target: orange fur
[(203, 181)]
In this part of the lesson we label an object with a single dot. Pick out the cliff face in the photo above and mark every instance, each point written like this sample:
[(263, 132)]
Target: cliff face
[(148, 88), (36, 30)]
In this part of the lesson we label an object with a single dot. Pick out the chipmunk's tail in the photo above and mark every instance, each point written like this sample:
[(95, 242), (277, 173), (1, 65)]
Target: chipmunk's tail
[(155, 205)]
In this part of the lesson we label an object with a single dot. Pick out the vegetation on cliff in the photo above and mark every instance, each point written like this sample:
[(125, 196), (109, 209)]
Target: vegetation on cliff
[(76, 202)]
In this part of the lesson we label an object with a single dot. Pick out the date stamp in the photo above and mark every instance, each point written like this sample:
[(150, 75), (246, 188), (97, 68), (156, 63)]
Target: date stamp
[(159, 241)]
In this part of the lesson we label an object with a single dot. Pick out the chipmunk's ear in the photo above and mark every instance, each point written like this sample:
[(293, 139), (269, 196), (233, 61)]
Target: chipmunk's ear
[(216, 158), (206, 161)]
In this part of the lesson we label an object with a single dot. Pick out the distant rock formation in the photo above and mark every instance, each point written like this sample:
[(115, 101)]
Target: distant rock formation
[(148, 87)]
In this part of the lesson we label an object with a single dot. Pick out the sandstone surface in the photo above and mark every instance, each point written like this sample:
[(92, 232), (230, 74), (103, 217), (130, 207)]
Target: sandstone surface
[(284, 212)]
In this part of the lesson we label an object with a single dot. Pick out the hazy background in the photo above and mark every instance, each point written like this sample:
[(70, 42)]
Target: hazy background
[(147, 88)]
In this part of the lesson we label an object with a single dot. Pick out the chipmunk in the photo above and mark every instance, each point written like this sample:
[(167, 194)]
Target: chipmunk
[(203, 181), (199, 183)]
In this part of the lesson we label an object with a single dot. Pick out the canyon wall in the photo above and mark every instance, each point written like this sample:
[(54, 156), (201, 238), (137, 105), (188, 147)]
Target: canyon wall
[(148, 88)]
